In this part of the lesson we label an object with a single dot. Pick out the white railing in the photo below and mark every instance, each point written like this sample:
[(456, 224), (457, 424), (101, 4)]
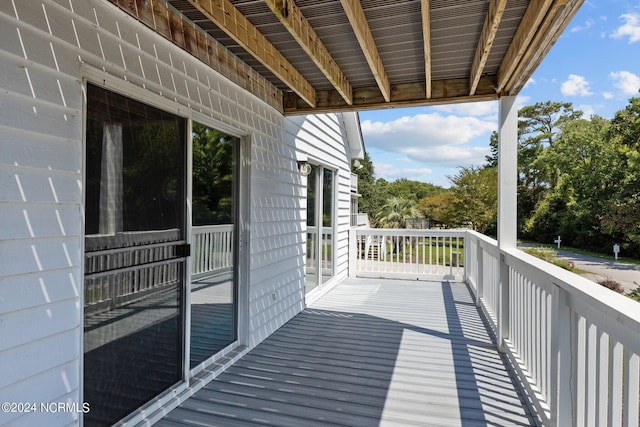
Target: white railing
[(212, 249), (574, 343), (325, 248), (408, 254)]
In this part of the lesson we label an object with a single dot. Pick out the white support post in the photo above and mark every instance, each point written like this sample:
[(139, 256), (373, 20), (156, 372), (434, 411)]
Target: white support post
[(353, 252), (479, 275), (507, 172), (507, 204)]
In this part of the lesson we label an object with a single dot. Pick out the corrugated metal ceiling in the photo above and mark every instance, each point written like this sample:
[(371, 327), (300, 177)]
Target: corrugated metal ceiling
[(397, 30)]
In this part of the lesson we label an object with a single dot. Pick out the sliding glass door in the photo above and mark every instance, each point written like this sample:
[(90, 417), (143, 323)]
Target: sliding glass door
[(214, 258), (135, 253), (320, 227)]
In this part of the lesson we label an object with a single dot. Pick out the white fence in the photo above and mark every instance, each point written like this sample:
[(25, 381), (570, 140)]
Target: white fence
[(212, 249), (575, 344), (408, 254)]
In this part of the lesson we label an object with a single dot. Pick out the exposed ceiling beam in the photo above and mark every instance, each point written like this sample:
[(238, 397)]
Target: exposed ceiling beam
[(558, 17), (166, 22), (530, 23), (488, 35), (426, 37), (358, 20), (231, 21), (402, 95), (293, 20)]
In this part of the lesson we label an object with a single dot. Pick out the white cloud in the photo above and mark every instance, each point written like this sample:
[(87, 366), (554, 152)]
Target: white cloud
[(607, 95), (587, 110), (451, 155), (473, 109), (587, 24), (423, 131), (391, 172), (531, 82), (631, 28), (626, 81), (427, 142), (523, 100), (575, 86)]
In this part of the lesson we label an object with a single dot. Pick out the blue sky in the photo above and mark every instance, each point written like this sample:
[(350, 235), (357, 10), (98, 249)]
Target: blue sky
[(595, 65)]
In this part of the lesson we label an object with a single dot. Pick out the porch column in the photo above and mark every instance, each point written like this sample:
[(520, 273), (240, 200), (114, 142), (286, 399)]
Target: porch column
[(507, 204), (507, 172)]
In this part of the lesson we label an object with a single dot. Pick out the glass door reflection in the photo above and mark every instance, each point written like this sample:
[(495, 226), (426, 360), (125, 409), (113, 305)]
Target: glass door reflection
[(213, 278), (319, 266), (135, 254)]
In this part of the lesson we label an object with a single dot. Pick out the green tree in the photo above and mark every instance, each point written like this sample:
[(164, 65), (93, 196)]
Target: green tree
[(395, 213), (372, 199), (212, 176), (411, 190), (621, 217), (439, 209), (476, 198)]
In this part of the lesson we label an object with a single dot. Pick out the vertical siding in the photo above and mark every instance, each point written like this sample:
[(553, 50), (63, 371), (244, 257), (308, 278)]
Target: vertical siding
[(43, 49)]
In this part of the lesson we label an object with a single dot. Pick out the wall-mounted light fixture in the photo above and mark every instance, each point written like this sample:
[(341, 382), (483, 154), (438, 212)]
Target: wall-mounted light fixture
[(304, 168)]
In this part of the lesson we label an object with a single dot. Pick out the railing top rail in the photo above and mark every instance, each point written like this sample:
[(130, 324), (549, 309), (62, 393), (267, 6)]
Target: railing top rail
[(482, 237), (614, 306), (207, 228), (365, 231)]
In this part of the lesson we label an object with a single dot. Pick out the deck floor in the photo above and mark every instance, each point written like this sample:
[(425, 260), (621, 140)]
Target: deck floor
[(370, 352)]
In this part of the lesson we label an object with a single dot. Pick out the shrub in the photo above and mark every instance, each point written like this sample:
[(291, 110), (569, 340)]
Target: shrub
[(549, 255), (611, 284), (635, 293)]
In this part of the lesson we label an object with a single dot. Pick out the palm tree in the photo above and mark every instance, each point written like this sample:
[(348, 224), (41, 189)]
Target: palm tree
[(395, 213)]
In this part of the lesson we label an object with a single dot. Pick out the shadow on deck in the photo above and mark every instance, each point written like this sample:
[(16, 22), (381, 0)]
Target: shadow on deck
[(370, 352)]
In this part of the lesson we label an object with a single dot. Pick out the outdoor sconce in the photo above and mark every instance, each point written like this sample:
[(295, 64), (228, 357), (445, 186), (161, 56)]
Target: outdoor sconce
[(304, 168)]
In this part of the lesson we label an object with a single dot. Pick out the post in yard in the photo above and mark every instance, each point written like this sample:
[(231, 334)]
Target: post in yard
[(558, 240)]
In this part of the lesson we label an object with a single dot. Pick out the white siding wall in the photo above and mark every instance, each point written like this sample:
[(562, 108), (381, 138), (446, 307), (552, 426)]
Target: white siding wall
[(43, 48)]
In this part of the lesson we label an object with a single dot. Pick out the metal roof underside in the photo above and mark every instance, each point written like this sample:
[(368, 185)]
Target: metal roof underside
[(339, 55)]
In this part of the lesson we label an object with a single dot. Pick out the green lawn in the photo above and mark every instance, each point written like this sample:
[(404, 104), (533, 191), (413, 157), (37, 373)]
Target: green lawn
[(608, 257)]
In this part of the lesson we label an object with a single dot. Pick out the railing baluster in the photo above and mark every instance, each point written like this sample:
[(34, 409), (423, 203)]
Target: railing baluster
[(602, 379), (616, 367), (631, 393), (580, 360), (591, 374)]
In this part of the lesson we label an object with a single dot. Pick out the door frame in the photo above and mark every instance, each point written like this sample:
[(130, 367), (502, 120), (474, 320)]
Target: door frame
[(321, 167), (170, 398)]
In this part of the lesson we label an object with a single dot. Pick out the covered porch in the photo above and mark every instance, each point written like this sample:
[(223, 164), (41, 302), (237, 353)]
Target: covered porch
[(436, 327), (370, 352)]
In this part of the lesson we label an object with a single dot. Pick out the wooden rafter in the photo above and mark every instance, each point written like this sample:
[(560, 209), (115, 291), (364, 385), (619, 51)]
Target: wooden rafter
[(167, 23), (231, 21), (529, 24), (358, 21), (426, 36), (402, 95), (294, 21), (488, 35), (559, 15)]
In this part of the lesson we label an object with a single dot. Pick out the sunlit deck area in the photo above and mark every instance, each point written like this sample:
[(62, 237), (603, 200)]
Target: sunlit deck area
[(370, 352)]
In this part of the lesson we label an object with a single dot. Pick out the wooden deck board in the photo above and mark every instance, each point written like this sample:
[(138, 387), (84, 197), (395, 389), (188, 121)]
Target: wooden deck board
[(370, 352)]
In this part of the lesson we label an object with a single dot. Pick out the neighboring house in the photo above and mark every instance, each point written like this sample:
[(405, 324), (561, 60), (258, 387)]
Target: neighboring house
[(96, 193)]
